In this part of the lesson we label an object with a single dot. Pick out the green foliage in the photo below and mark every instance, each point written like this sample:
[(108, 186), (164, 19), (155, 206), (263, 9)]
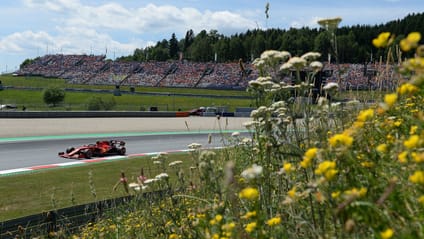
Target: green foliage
[(350, 39), (98, 103), (27, 62), (338, 171), (53, 96)]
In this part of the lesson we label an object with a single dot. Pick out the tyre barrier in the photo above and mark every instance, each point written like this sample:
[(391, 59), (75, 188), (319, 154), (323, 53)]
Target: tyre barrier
[(68, 220)]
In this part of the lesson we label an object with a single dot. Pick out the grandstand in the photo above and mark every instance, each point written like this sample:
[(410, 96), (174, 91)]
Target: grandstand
[(97, 70)]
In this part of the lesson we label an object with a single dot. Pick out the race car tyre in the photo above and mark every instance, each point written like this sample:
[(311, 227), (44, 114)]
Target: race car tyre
[(70, 149), (122, 151), (88, 154)]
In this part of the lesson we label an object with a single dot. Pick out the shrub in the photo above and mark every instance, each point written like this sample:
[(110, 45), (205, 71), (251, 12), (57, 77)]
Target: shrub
[(53, 96), (97, 103)]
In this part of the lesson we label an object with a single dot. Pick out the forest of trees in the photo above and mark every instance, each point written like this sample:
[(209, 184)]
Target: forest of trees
[(353, 43)]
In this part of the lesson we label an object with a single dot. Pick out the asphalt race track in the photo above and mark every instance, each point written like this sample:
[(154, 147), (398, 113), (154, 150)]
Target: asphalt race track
[(19, 154)]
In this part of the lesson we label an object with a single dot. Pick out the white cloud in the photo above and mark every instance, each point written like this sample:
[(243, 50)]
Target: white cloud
[(148, 18), (20, 41)]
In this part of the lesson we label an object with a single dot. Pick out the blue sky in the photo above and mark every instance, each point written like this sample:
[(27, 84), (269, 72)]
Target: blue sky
[(31, 28)]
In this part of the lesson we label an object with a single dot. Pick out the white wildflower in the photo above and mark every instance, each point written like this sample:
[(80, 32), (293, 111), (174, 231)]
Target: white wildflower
[(269, 54), (150, 180), (161, 176), (286, 66), (276, 86), (137, 187), (250, 124), (246, 141), (194, 146), (283, 55), (264, 79), (353, 102), (157, 162), (175, 163), (252, 172), (310, 56), (322, 101), (297, 62), (255, 84), (207, 155), (258, 62), (337, 104), (278, 104), (331, 86), (316, 66), (253, 114)]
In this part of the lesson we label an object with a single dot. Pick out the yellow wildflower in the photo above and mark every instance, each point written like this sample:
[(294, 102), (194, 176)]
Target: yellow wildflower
[(418, 157), (324, 166), (356, 193), (307, 158), (250, 227), (112, 227), (421, 199), (306, 162), (218, 217), (390, 99), (327, 168), (228, 226), (173, 236), (292, 193), (407, 88), (335, 194), (417, 177), (367, 164), (287, 167), (365, 115), (410, 42), (412, 142), (382, 148), (249, 215), (382, 40), (249, 193), (274, 221), (311, 153), (403, 157), (397, 123), (329, 174), (413, 129), (362, 192), (341, 139), (358, 124), (388, 233)]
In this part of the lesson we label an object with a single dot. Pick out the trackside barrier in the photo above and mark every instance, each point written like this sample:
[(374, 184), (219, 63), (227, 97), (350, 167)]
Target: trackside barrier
[(243, 111), (90, 114), (68, 220)]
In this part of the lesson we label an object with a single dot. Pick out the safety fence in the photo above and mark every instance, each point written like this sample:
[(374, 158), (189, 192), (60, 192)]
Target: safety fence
[(69, 220)]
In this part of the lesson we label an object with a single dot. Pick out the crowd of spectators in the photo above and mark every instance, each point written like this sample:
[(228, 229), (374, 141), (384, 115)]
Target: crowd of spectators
[(96, 70)]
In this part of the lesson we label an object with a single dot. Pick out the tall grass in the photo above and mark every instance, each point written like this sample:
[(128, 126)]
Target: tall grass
[(335, 172)]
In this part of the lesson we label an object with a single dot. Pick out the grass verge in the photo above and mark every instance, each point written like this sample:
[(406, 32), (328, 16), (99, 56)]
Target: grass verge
[(39, 191)]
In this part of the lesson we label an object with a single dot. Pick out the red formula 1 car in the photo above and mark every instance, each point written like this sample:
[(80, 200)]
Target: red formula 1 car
[(99, 149)]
